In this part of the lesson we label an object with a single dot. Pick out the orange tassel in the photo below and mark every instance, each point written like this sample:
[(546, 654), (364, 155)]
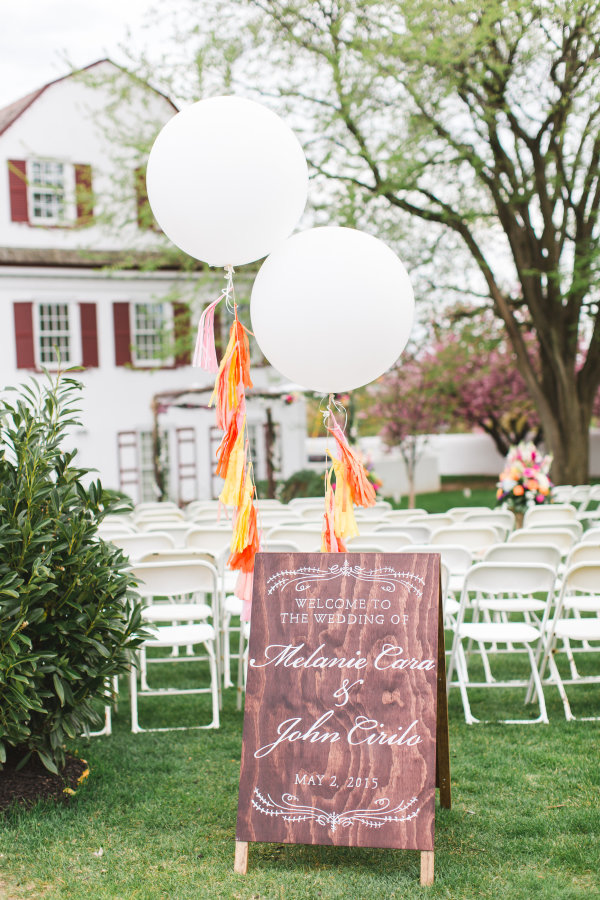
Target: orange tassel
[(244, 559), (331, 542), (344, 521), (361, 489), (232, 489), (226, 446)]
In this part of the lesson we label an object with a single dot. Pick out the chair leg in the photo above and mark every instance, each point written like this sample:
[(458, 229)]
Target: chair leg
[(225, 638), (555, 676), (461, 676), (135, 727), (214, 683), (241, 681), (538, 686)]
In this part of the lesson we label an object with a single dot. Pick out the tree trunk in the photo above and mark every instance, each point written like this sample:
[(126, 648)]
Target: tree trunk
[(567, 439), (269, 453)]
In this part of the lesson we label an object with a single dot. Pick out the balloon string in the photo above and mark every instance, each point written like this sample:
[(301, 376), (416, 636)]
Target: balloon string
[(229, 292)]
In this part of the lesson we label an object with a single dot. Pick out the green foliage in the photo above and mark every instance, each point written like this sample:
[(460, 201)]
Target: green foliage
[(304, 483), (68, 617)]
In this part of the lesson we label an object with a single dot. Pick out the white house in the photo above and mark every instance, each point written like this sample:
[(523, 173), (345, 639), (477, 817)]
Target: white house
[(86, 277)]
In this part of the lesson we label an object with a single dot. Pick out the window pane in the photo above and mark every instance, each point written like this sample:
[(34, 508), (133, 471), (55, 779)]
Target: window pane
[(54, 335), (149, 329)]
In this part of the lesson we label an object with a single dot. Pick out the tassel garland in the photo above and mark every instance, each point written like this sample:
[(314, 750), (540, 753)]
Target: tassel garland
[(352, 487), (233, 462)]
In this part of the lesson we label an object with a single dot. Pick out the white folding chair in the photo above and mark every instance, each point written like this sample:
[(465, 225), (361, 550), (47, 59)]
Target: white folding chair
[(475, 538), (137, 545), (591, 536), (458, 560), (306, 537), (580, 593), (501, 590), (458, 513), (501, 519), (563, 538), (380, 542), (181, 585), (549, 515), (548, 554), (416, 534)]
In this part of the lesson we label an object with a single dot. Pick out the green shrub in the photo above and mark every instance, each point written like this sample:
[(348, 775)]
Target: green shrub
[(69, 619), (304, 483)]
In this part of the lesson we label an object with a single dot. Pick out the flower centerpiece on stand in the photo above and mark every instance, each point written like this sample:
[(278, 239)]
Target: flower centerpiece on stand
[(524, 481)]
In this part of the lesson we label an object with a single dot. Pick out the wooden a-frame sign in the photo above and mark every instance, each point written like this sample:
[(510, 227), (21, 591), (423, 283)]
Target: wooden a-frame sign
[(346, 720)]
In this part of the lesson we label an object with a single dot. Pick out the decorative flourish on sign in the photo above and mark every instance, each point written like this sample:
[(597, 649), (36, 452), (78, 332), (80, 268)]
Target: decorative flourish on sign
[(291, 810), (388, 577)]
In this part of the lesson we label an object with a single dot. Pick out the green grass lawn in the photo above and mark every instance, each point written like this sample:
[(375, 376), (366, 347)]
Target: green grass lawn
[(525, 820)]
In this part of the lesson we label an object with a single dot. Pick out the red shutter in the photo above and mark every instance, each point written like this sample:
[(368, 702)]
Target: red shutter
[(89, 335), (84, 197), (17, 184), (122, 334), (24, 335), (181, 330)]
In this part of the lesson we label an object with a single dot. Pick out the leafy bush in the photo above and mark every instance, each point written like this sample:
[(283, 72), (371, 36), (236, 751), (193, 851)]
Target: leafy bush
[(69, 619), (304, 483)]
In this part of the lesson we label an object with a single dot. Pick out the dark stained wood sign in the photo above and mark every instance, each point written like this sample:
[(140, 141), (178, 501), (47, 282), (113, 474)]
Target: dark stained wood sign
[(345, 703)]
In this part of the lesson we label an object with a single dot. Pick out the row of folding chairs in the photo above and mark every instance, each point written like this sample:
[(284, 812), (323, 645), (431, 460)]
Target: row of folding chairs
[(508, 608)]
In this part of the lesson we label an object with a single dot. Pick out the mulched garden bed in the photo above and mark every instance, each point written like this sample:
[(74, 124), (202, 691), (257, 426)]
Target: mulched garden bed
[(34, 782)]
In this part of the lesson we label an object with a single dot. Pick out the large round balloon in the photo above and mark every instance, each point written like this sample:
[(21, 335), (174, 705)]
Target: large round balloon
[(227, 180), (332, 308)]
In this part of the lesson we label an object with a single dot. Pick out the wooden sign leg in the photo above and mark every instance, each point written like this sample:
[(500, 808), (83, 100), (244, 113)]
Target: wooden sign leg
[(442, 755), (240, 865), (427, 860)]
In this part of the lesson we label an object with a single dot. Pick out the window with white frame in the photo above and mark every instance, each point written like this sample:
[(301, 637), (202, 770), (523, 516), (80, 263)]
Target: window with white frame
[(55, 339), (47, 191), (150, 328)]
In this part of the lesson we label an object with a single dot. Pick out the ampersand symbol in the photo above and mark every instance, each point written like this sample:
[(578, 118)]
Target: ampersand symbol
[(343, 691)]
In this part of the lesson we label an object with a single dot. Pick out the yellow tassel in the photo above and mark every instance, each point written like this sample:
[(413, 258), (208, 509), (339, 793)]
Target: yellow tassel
[(345, 523), (232, 489), (229, 350), (239, 539)]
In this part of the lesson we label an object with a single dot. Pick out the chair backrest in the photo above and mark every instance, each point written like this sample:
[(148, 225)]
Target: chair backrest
[(174, 579), (496, 578), (501, 518), (107, 530), (474, 538), (572, 525), (171, 514), (459, 512), (379, 542), (215, 540), (137, 545), (187, 554), (548, 554), (307, 539), (159, 505), (562, 538), (456, 558), (401, 515), (280, 547), (583, 577), (433, 521), (582, 553), (591, 536), (549, 515), (417, 534)]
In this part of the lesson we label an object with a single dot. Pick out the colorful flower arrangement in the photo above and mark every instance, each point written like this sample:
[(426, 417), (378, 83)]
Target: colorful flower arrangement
[(524, 480)]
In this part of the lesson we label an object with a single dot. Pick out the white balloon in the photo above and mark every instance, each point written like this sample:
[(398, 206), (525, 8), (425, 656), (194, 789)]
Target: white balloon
[(227, 180), (332, 308)]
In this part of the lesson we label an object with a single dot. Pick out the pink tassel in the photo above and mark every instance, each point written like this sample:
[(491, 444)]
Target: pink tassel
[(205, 354), (243, 591)]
